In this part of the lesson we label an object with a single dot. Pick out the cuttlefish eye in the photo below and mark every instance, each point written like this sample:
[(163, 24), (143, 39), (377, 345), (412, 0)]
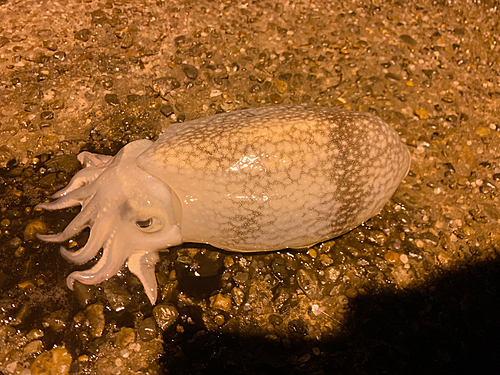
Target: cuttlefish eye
[(149, 225), (144, 223)]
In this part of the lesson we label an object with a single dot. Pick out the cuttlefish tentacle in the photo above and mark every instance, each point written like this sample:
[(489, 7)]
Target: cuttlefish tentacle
[(107, 266), (84, 177), (74, 198), (93, 245), (143, 266), (83, 220), (94, 165), (89, 159)]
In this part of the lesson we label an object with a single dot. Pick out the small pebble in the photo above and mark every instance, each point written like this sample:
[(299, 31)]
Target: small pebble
[(312, 253), (33, 227), (482, 131), (84, 293), (34, 334), (48, 180), (332, 274), (419, 243), (408, 40), (275, 319), (99, 17), (281, 86), (83, 35), (125, 337), (128, 121), (33, 347), (422, 114), (20, 251), (220, 302), (26, 285), (15, 242), (276, 98), (169, 290), (59, 55), (219, 320), (181, 39), (308, 283), (148, 329), (54, 362), (235, 67), (228, 261), (164, 85), (112, 99), (254, 89), (47, 115), (107, 82), (165, 314), (117, 295), (57, 104), (127, 41), (391, 257), (3, 41), (241, 277), (190, 71), (238, 295), (377, 237), (133, 98), (50, 45), (95, 316), (325, 260), (297, 326), (304, 358), (351, 293), (166, 110), (343, 300)]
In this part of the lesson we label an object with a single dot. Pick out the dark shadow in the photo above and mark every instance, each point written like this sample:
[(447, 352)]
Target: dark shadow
[(451, 325)]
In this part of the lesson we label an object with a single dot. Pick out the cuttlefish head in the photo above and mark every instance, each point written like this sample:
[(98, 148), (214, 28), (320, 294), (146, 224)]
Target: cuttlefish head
[(129, 212)]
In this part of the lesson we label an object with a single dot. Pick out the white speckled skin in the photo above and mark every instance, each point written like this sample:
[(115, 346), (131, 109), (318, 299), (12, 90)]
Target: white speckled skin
[(253, 180)]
